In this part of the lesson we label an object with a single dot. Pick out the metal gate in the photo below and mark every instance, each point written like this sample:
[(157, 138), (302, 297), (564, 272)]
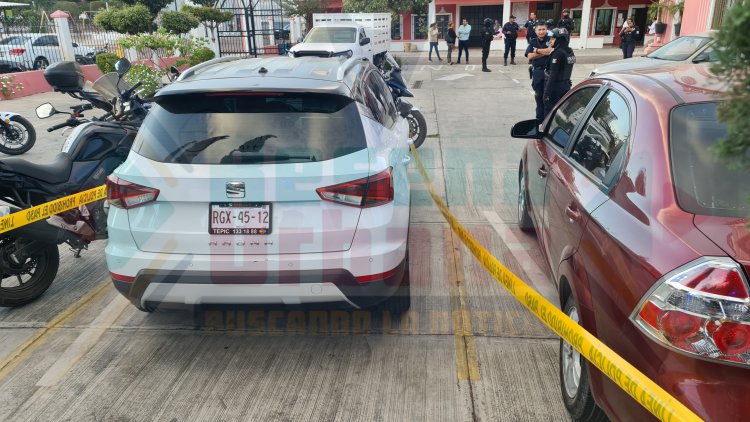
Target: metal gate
[(259, 28)]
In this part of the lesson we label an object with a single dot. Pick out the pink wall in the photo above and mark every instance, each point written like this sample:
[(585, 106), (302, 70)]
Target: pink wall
[(695, 16)]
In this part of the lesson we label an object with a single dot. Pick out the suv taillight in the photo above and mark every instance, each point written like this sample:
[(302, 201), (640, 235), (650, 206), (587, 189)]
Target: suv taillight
[(701, 309), (123, 194), (364, 193)]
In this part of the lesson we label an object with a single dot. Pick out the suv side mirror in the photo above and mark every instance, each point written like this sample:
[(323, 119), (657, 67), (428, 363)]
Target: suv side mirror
[(122, 66), (364, 41), (45, 110), (527, 129)]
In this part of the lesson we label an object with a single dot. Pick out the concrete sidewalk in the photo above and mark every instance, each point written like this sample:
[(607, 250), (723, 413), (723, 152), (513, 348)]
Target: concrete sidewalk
[(585, 56)]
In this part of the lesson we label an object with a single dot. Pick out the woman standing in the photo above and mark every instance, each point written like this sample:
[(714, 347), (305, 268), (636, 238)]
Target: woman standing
[(450, 39), (434, 33), (628, 36)]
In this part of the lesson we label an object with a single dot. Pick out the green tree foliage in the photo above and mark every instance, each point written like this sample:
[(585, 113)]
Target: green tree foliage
[(200, 55), (383, 6), (154, 6), (179, 22), (306, 8), (210, 17), (129, 20), (106, 62), (733, 67), (68, 6)]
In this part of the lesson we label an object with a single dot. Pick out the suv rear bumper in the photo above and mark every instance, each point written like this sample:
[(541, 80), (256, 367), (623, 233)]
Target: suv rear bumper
[(283, 287)]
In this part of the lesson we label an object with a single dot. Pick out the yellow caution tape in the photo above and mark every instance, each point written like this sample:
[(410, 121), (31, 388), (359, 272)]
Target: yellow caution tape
[(48, 209), (630, 379)]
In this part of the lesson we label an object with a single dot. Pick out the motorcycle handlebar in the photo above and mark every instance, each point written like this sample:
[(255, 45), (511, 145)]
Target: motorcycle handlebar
[(60, 126)]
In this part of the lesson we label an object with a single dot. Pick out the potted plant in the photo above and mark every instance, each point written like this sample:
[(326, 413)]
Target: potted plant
[(654, 12), (676, 9)]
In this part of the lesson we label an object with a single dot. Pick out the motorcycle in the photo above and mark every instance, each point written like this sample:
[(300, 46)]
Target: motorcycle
[(17, 135), (29, 256), (399, 88)]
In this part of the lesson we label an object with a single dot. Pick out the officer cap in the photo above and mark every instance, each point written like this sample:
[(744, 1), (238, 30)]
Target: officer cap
[(512, 17), (550, 22), (566, 10)]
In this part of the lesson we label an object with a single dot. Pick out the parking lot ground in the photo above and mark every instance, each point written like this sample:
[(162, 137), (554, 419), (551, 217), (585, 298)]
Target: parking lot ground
[(465, 351)]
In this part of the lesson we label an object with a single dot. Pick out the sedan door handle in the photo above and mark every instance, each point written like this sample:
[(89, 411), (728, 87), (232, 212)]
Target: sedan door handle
[(542, 172), (572, 213)]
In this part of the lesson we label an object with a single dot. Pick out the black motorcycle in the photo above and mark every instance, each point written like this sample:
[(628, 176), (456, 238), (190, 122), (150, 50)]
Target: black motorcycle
[(392, 74), (17, 135), (29, 256)]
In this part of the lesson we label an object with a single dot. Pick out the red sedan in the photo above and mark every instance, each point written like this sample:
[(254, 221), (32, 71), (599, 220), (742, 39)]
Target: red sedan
[(645, 232)]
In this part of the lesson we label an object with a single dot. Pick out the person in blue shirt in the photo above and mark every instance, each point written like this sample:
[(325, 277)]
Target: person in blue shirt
[(464, 30)]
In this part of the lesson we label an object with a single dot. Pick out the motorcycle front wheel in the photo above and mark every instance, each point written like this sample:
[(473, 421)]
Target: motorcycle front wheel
[(17, 136), (417, 127), (24, 280)]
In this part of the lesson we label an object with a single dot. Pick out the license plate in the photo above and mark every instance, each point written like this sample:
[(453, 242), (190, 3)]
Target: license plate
[(239, 218)]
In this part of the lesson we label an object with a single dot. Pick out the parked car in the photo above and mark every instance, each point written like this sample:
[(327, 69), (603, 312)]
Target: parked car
[(690, 49), (11, 67), (36, 51), (645, 232), (265, 181)]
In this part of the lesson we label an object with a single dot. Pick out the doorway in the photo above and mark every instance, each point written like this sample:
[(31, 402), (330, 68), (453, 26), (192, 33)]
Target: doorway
[(476, 15), (640, 17)]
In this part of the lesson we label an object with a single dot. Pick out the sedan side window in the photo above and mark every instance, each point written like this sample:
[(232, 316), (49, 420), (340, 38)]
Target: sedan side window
[(46, 40), (604, 139), (566, 117)]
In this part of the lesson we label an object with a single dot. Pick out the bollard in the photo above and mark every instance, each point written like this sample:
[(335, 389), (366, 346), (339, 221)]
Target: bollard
[(63, 35)]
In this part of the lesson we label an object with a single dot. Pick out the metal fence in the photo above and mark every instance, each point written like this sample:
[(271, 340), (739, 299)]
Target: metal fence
[(30, 46), (259, 28)]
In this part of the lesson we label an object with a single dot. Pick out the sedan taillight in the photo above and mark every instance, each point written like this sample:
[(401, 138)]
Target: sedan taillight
[(701, 309), (364, 193), (17, 51), (123, 194)]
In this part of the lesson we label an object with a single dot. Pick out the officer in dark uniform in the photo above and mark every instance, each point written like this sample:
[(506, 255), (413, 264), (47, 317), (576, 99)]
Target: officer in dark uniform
[(510, 30), (566, 22), (488, 33), (559, 69), (529, 26), (538, 53)]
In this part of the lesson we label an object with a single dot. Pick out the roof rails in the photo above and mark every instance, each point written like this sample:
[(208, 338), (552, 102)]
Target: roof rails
[(193, 70)]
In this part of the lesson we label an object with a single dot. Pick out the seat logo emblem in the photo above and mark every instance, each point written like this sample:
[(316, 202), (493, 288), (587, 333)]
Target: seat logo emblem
[(235, 189)]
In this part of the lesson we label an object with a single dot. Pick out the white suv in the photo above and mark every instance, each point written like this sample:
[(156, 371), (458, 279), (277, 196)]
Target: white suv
[(265, 181)]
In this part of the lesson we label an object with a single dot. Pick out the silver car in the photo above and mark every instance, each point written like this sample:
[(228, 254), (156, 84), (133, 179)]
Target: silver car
[(690, 48)]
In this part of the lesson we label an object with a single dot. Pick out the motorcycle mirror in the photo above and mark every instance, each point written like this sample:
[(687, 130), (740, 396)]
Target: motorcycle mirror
[(173, 70), (122, 66), (45, 110)]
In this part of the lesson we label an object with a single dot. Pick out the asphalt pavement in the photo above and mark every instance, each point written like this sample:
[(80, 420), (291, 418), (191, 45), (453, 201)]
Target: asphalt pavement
[(466, 351)]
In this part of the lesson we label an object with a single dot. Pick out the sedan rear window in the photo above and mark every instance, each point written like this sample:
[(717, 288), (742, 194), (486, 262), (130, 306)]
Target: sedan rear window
[(704, 184), (250, 128)]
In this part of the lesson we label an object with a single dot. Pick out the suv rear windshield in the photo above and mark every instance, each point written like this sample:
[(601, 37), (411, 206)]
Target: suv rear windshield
[(704, 184), (250, 128)]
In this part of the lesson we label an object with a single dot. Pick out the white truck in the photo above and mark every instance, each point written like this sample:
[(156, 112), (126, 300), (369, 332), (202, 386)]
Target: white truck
[(365, 35)]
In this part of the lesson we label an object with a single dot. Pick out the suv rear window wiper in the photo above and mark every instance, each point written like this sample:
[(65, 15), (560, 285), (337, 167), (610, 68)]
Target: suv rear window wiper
[(264, 158)]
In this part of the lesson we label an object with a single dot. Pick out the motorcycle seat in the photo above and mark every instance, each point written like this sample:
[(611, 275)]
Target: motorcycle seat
[(58, 171)]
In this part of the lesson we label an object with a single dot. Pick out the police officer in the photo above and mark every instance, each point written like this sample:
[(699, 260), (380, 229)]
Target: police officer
[(566, 22), (559, 68), (488, 33), (510, 30), (550, 26), (538, 53), (530, 26)]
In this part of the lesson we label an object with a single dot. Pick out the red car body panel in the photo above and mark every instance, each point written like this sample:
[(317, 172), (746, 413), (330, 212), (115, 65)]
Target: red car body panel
[(624, 239)]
